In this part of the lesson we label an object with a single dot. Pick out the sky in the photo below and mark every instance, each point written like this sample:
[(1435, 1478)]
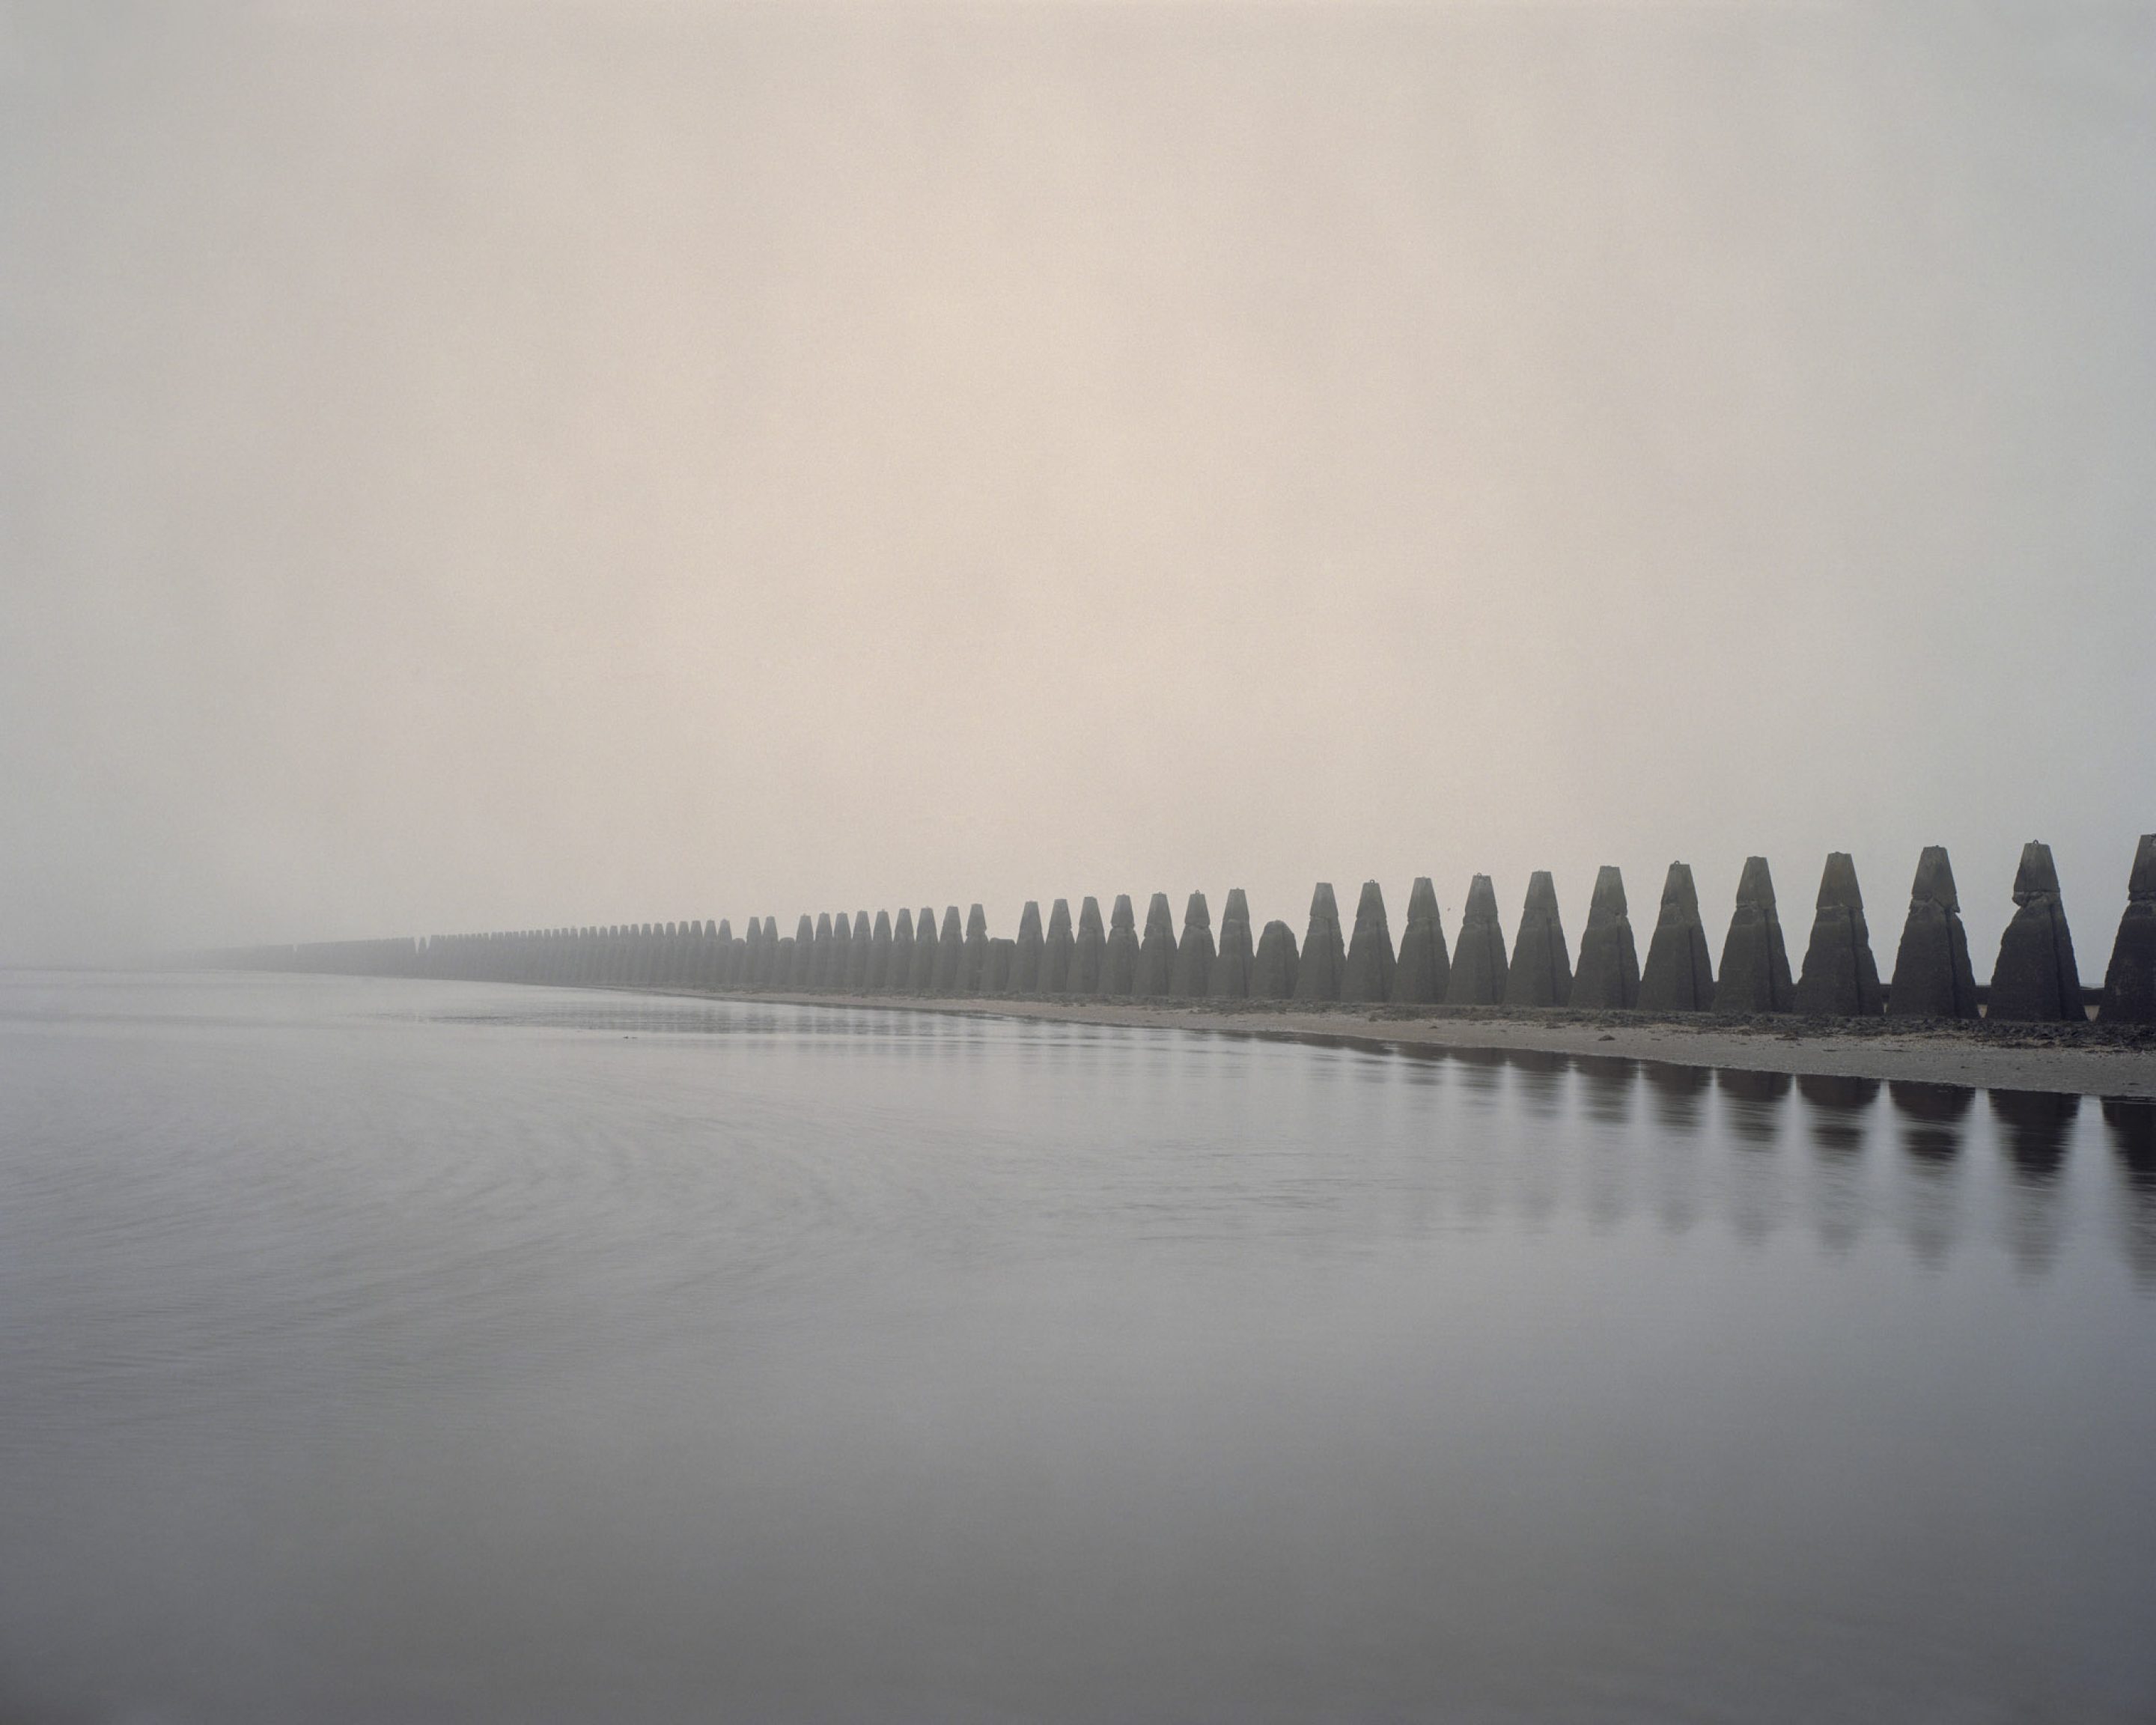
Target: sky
[(496, 464)]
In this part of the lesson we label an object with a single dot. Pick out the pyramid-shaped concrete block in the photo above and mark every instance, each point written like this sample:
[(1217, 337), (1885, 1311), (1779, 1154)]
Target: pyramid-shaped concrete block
[(1055, 951), (1229, 978), (1025, 950), (1932, 978), (1274, 967), (1479, 969), (1678, 976), (1119, 964), (1323, 965), (1755, 963), (1367, 974), (1089, 952), (973, 956), (1608, 978), (1157, 954), (1194, 952), (1424, 968), (2036, 979), (1840, 979), (877, 979), (921, 979), (2129, 981), (1540, 971)]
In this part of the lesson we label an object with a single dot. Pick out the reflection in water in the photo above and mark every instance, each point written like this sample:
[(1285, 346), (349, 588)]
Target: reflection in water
[(1931, 1117), (1836, 1109), (2034, 1124), (2132, 1125), (839, 1364)]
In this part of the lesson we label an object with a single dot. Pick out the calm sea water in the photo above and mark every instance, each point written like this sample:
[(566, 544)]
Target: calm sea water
[(374, 1351)]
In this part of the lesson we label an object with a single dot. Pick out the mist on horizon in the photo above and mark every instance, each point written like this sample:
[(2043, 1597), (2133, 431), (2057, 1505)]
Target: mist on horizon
[(512, 464)]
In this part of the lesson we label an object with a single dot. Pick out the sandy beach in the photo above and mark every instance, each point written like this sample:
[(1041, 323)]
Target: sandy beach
[(2090, 1059)]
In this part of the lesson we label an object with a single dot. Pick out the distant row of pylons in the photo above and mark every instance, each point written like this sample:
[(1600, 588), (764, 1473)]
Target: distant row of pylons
[(2034, 978)]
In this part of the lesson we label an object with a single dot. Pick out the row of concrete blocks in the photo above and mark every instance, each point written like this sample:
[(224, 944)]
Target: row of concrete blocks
[(2034, 979)]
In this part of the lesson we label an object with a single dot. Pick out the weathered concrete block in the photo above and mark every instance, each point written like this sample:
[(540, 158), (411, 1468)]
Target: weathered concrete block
[(1755, 964), (754, 966), (973, 956), (1055, 952), (898, 969), (1931, 975), (1608, 978), (782, 962), (927, 960), (1157, 954), (1367, 973), (876, 974), (1228, 976), (1193, 953), (1839, 978), (1540, 971), (951, 954), (2129, 983), (1479, 969), (996, 966), (857, 956), (1322, 965), (820, 953), (801, 974), (1274, 967), (1089, 952), (1119, 963), (839, 968), (1424, 968), (1679, 977), (1026, 950), (2036, 979)]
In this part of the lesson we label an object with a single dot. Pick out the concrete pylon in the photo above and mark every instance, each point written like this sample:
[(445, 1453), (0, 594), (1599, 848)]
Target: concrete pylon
[(875, 973), (921, 978), (1156, 955), (1194, 952), (1931, 975), (1089, 951), (1025, 950), (2036, 979), (1274, 967), (2129, 984), (857, 965), (898, 968), (951, 953), (839, 971), (754, 967), (1323, 963), (973, 956), (782, 962), (1755, 964), (801, 971), (1840, 979), (996, 965), (1678, 977), (1119, 964), (819, 957), (1608, 978), (1540, 971), (1479, 970), (1055, 951), (1228, 978), (1425, 967), (1368, 972)]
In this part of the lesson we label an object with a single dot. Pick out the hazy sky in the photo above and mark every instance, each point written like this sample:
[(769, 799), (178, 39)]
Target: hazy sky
[(499, 463)]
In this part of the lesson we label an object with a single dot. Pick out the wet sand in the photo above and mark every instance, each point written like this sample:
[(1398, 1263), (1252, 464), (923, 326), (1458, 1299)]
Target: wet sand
[(2090, 1059)]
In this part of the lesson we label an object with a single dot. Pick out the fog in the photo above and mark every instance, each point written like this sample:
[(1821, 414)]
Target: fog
[(477, 465)]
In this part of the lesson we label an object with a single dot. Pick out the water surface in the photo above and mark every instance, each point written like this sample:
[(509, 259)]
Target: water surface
[(378, 1351)]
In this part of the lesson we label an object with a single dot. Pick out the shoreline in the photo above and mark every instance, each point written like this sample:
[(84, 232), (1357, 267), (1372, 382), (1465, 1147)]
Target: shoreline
[(2085, 1061)]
